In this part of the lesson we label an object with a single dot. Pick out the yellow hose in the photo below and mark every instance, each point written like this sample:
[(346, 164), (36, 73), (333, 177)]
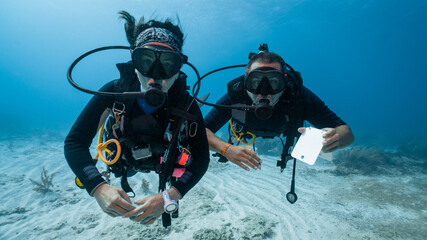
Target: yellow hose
[(240, 135), (103, 147)]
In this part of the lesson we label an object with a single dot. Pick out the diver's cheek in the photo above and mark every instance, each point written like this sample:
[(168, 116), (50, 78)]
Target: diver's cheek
[(165, 86), (167, 83)]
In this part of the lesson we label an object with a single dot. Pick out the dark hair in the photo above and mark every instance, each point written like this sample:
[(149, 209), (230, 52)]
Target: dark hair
[(266, 57), (132, 30)]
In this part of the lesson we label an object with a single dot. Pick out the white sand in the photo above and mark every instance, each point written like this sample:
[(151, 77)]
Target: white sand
[(228, 203)]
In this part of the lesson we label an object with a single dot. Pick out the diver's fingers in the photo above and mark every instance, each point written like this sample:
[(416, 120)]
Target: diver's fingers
[(248, 160), (125, 196), (143, 217), (148, 220), (123, 204), (134, 212), (332, 145), (115, 210), (301, 129), (254, 155), (152, 221), (331, 140), (142, 201), (240, 164), (111, 213), (330, 149), (329, 132)]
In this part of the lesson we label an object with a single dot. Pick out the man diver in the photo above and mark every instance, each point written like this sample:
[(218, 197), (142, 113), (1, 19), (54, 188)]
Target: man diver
[(280, 103), (144, 126)]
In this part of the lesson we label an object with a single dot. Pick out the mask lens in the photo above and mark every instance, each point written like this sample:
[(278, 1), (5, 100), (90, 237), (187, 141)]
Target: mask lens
[(277, 82), (143, 59), (253, 82), (171, 62), (275, 79), (155, 63)]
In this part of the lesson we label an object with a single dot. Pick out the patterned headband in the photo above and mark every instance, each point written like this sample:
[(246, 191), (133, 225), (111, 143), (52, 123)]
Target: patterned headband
[(158, 35)]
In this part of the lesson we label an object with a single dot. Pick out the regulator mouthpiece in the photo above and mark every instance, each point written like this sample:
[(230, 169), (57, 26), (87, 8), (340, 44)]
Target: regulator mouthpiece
[(154, 96), (263, 109)]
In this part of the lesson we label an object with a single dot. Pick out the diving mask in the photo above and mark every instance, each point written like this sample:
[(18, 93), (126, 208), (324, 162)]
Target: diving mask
[(157, 62), (265, 81)]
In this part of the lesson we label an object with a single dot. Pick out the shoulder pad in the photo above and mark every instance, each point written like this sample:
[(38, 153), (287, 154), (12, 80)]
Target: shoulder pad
[(177, 94), (126, 69), (128, 80), (295, 83), (235, 90)]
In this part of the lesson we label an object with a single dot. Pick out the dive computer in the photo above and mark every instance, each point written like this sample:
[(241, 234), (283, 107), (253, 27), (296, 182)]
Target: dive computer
[(170, 205)]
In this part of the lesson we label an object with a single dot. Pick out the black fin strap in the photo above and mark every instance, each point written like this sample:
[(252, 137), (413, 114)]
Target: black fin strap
[(125, 184)]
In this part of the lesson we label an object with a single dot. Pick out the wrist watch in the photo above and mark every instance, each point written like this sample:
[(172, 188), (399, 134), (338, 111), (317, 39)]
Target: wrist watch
[(170, 205)]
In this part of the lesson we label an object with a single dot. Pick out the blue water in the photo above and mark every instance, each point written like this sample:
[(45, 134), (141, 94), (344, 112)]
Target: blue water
[(366, 59)]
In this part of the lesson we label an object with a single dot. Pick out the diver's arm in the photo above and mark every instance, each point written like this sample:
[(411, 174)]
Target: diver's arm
[(112, 200), (239, 155), (79, 139), (215, 143), (242, 156), (338, 135)]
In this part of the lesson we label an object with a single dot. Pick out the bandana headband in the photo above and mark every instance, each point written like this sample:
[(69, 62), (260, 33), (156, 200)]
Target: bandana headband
[(158, 35)]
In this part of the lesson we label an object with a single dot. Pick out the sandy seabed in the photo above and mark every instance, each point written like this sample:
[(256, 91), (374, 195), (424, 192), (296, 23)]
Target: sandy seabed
[(228, 203)]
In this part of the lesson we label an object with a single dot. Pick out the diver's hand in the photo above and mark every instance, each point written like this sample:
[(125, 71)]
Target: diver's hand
[(243, 157), (151, 208), (332, 139), (112, 200)]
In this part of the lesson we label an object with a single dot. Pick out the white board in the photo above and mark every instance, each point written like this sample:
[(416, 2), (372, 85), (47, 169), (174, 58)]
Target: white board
[(309, 145)]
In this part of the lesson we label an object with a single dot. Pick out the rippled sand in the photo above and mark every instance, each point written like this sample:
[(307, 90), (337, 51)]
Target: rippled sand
[(228, 203)]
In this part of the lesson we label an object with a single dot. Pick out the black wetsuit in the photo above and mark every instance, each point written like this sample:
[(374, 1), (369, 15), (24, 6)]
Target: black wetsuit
[(312, 109), (84, 129)]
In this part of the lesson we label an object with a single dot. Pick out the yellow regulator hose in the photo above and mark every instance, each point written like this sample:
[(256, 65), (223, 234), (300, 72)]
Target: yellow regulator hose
[(103, 147), (240, 135)]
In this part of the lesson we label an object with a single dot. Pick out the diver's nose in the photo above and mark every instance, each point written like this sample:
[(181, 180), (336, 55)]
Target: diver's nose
[(150, 81), (260, 96)]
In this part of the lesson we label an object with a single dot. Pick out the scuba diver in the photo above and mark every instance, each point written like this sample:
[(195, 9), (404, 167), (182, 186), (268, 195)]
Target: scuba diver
[(162, 130), (280, 104)]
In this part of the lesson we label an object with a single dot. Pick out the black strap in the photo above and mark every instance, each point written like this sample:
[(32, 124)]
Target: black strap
[(125, 184), (286, 155), (292, 135), (166, 219), (183, 114), (170, 155)]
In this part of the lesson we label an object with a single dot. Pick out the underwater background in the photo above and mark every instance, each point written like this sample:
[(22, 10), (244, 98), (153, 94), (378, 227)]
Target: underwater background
[(366, 59)]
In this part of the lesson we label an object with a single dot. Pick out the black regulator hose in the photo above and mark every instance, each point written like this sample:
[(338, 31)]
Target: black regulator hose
[(108, 94), (197, 82), (115, 94), (197, 85)]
